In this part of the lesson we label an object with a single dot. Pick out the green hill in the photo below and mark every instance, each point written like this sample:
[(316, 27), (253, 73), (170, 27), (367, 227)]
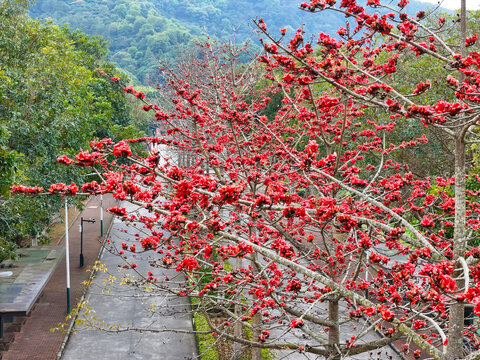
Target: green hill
[(143, 31)]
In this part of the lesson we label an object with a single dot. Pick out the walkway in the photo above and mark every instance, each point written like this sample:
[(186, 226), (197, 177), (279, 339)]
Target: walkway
[(35, 341)]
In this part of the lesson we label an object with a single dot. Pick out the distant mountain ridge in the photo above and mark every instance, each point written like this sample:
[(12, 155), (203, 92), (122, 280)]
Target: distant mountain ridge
[(141, 31)]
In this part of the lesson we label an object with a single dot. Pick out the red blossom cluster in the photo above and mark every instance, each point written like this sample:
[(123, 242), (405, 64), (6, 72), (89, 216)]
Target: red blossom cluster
[(63, 189), (86, 158), (31, 190), (421, 87), (122, 149), (296, 323), (118, 211), (91, 187), (470, 41), (139, 94), (64, 160)]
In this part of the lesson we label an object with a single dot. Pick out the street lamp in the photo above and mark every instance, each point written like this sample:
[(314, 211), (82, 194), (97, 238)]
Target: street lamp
[(82, 220), (101, 216), (67, 256)]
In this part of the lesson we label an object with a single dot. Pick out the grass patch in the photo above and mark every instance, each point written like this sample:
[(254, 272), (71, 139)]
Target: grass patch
[(212, 348), (218, 349), (205, 342)]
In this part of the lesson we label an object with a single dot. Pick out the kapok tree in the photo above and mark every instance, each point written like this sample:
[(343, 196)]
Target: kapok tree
[(302, 226)]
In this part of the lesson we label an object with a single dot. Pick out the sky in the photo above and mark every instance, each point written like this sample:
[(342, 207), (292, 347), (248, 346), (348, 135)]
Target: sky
[(455, 4)]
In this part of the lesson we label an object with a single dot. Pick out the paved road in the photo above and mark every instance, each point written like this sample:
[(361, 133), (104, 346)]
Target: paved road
[(125, 305)]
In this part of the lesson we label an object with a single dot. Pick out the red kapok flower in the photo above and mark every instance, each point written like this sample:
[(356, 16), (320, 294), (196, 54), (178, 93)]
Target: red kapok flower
[(387, 315), (427, 221), (58, 188), (471, 40), (72, 189), (118, 211), (122, 149), (296, 323), (91, 187), (64, 160), (188, 264)]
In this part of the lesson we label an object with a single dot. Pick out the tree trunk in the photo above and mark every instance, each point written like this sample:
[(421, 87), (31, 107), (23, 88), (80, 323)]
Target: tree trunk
[(257, 326), (456, 323), (334, 332), (237, 327), (457, 310)]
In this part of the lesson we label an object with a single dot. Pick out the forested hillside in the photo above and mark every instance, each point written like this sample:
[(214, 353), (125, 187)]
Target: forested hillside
[(141, 32)]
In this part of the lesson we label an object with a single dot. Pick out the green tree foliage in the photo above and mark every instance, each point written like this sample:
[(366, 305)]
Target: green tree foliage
[(55, 96), (138, 32)]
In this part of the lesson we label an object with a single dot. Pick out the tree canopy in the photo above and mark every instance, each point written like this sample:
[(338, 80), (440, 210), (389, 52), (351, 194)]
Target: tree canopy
[(54, 98)]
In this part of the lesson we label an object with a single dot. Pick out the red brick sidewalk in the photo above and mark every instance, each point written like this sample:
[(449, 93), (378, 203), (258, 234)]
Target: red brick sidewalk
[(35, 341)]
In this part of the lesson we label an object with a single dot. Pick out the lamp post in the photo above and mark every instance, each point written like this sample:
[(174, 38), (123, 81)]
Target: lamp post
[(101, 216), (67, 257), (82, 220)]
